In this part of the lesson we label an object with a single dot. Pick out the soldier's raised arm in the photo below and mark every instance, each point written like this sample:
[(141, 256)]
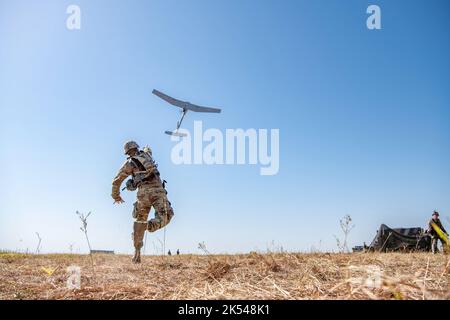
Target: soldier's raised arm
[(124, 172)]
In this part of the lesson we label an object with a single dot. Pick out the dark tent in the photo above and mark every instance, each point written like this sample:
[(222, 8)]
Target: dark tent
[(409, 239)]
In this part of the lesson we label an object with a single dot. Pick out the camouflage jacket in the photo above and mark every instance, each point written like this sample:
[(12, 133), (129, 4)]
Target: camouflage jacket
[(129, 168), (438, 223)]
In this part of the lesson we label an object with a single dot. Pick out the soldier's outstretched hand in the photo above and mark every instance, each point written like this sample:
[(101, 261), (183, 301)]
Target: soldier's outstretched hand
[(118, 200)]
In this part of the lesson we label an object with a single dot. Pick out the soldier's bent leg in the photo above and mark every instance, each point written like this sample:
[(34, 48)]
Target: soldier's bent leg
[(141, 210), (163, 213)]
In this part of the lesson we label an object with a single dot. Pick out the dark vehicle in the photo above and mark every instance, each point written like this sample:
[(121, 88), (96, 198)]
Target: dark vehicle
[(400, 239)]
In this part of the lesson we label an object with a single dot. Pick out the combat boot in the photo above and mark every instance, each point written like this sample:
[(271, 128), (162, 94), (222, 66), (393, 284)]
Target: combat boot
[(137, 256), (138, 239)]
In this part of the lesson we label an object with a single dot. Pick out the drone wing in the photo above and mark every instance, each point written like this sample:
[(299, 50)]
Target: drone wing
[(183, 104), (172, 101), (196, 108)]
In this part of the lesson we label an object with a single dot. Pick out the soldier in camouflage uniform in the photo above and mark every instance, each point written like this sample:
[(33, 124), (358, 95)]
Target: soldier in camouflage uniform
[(151, 193), (434, 235)]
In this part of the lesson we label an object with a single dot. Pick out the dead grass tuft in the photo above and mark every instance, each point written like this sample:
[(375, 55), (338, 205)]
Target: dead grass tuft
[(217, 270)]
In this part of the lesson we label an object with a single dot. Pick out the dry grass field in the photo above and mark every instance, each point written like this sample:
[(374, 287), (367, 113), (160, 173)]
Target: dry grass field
[(249, 276)]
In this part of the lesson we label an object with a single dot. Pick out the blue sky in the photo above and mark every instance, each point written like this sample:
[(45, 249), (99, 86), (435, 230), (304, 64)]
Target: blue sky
[(363, 118)]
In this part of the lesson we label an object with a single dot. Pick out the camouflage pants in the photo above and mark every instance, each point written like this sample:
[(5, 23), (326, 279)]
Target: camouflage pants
[(148, 196), (434, 244)]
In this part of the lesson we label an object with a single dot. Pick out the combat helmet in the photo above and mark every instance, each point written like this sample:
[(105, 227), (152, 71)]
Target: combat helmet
[(130, 145)]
